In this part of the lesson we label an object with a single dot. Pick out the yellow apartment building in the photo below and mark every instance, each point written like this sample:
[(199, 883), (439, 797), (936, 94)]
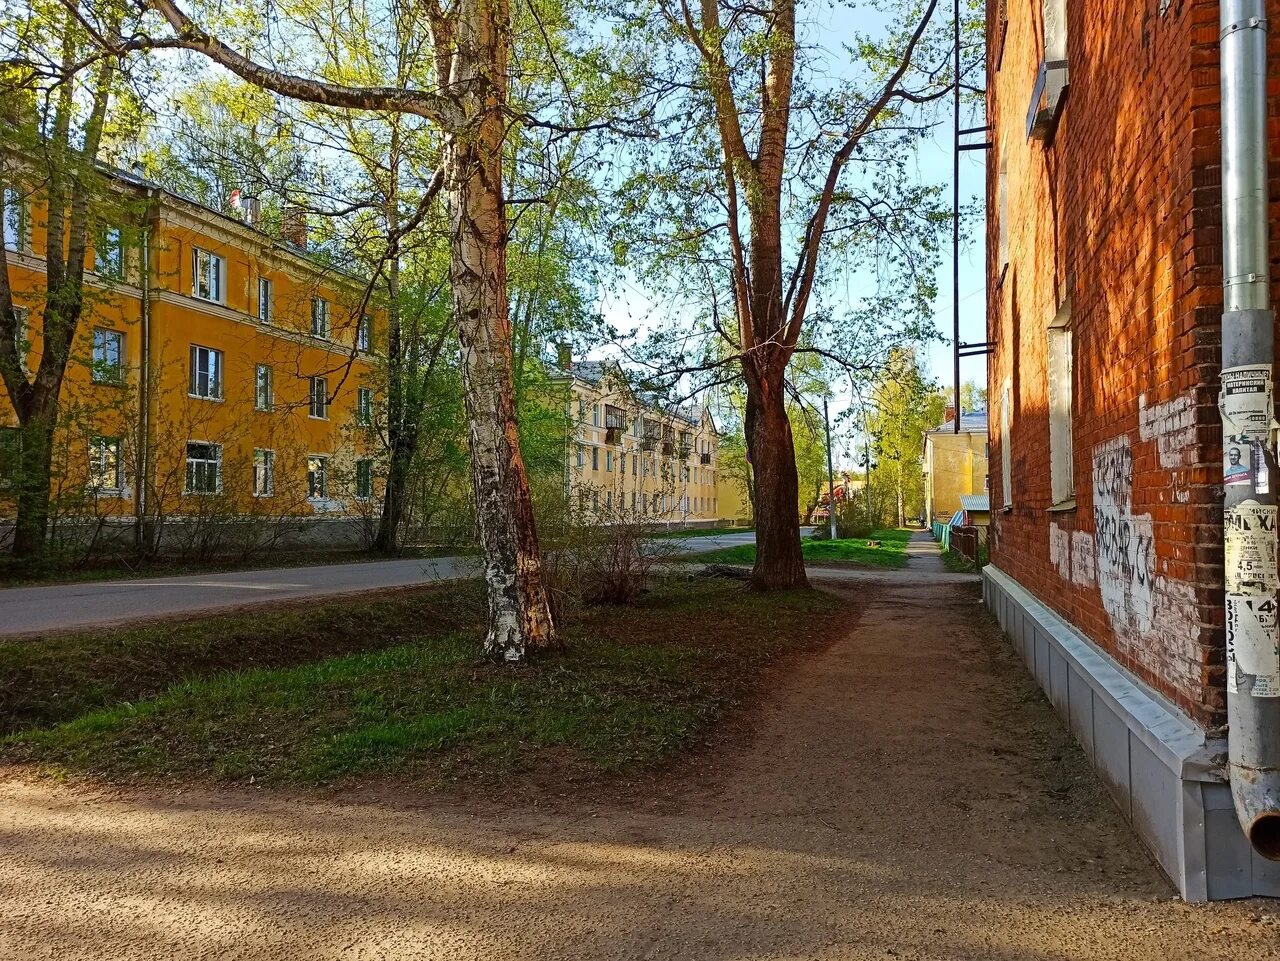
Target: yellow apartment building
[(218, 372), (954, 464), (634, 458)]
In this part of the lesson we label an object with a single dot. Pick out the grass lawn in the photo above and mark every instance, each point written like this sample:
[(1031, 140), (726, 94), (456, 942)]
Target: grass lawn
[(890, 550), (412, 699), (957, 563)]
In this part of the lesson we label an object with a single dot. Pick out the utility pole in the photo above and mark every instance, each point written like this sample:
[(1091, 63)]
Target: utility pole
[(831, 473), (955, 211)]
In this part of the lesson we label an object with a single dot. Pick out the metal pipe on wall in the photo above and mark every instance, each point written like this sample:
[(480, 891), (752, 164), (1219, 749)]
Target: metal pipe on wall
[(1247, 405)]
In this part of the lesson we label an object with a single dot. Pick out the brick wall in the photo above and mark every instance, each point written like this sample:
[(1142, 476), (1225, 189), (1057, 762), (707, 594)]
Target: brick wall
[(1119, 212)]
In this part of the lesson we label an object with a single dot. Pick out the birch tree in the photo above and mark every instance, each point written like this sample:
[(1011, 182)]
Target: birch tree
[(468, 105)]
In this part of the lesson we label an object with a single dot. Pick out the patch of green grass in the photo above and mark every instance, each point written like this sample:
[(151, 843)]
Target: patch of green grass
[(883, 548), (50, 679), (957, 563), (633, 686)]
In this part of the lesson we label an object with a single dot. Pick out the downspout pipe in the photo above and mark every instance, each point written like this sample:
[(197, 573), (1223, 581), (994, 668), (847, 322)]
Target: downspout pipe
[(1247, 404)]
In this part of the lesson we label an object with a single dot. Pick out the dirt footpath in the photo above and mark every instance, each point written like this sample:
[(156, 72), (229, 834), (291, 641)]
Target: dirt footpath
[(908, 795)]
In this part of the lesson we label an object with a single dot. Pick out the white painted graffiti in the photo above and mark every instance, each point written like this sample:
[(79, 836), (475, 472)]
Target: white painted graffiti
[(1171, 425), (1060, 550), (1125, 554), (1082, 559)]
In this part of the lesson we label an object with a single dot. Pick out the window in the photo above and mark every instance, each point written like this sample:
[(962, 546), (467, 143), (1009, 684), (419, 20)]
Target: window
[(1002, 225), (635, 467), (14, 222), (104, 464), (364, 479), (206, 373), (1006, 444), (1047, 95), (108, 253), (204, 468), (319, 317), (608, 500), (319, 397), (595, 458), (209, 275), (608, 461), (10, 456), (595, 415), (364, 333), (266, 307), (364, 406), (264, 389), (22, 336), (108, 356), (582, 457), (317, 477), (622, 463), (1062, 475), (264, 472)]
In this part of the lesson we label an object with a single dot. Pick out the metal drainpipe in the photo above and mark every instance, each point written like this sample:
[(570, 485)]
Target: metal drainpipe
[(1248, 410)]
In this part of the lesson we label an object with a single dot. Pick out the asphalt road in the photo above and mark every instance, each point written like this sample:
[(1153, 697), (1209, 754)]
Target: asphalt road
[(34, 610)]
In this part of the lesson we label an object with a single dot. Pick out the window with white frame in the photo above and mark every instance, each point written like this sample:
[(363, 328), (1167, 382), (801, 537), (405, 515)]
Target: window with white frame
[(108, 356), (595, 415), (1062, 474), (319, 398), (364, 406), (22, 336), (364, 479), (108, 253), (206, 373), (582, 457), (608, 461), (317, 477), (1002, 226), (264, 387), (13, 222), (208, 272), (1006, 444), (204, 468), (105, 465), (264, 472), (266, 297), (364, 333), (319, 317), (595, 458)]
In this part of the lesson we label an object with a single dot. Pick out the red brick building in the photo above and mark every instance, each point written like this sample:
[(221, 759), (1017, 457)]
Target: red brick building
[(1105, 310)]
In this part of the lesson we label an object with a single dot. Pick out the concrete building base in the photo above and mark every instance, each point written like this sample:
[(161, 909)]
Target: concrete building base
[(1166, 776)]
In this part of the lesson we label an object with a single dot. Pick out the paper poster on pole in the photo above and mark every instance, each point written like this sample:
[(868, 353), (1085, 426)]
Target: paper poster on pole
[(1253, 645), (1246, 400), (1249, 530), (1237, 461)]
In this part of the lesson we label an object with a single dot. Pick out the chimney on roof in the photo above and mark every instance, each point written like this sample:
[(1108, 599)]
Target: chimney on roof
[(564, 357), (950, 415), (253, 213), (293, 226)]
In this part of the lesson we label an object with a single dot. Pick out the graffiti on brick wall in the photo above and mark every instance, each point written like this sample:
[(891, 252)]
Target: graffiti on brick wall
[(1155, 619), (1060, 550), (1082, 560), (1171, 425)]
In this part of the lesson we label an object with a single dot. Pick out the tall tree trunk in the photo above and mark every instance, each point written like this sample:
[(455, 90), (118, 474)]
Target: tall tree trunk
[(779, 560), (35, 488), (402, 397), (520, 620)]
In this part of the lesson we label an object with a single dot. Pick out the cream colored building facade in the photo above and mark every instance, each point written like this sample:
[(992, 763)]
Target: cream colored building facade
[(629, 458)]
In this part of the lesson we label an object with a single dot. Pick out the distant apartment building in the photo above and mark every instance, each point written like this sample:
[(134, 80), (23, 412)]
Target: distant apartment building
[(1105, 238), (217, 371), (955, 464), (633, 456)]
